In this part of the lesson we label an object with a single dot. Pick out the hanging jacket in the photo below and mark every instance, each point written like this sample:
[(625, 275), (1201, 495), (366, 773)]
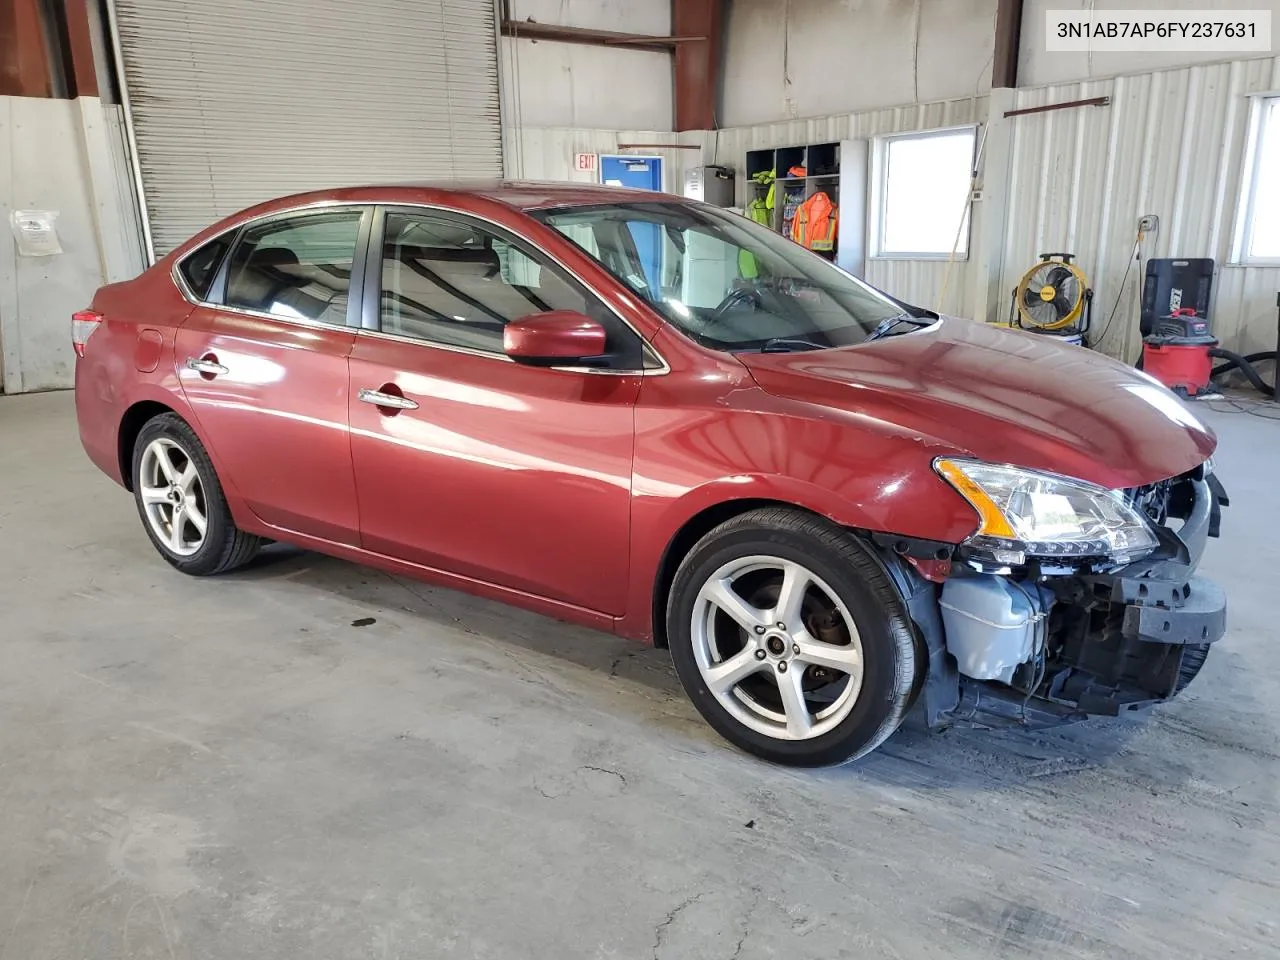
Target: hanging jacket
[(766, 177), (758, 210), (814, 225)]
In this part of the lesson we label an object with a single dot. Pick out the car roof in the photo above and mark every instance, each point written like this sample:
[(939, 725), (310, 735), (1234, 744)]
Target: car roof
[(533, 194), (523, 195), (520, 194)]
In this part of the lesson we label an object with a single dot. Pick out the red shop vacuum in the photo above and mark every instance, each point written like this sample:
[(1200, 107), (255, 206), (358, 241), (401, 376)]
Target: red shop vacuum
[(1178, 347), (1177, 352)]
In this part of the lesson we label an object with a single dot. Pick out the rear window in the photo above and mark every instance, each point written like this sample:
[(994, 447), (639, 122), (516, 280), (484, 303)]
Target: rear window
[(199, 269)]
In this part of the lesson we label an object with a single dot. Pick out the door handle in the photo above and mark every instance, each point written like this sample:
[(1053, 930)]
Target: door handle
[(206, 366), (390, 400)]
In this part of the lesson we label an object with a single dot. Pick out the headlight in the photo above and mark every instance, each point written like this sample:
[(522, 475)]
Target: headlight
[(1029, 514)]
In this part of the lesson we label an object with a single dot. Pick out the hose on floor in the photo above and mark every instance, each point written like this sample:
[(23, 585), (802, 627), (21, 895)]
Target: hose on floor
[(1245, 365)]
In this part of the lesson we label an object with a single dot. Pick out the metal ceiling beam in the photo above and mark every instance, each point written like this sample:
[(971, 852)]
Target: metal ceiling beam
[(532, 30), (1008, 40), (697, 63)]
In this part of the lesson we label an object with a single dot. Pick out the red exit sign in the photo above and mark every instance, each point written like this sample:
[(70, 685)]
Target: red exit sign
[(586, 162)]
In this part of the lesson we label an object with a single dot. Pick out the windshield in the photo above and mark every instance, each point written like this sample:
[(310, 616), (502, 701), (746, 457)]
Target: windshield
[(726, 281)]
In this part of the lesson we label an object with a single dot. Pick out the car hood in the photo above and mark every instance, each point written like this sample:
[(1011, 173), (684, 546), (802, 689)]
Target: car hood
[(1003, 396)]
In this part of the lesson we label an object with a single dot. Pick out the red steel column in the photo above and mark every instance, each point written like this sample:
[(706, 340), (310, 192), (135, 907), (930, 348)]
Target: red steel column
[(77, 49), (697, 62), (24, 54)]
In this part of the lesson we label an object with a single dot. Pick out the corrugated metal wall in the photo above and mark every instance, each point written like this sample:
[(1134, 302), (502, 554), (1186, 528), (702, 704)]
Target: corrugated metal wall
[(1171, 143), (918, 281)]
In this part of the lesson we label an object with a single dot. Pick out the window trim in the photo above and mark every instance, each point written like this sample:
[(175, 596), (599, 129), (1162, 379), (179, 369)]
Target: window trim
[(371, 316), (218, 266), (370, 263), (879, 182), (218, 289), (1250, 173), (215, 300)]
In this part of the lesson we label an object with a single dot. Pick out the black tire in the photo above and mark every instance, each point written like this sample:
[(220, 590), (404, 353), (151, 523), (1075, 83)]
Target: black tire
[(225, 547), (891, 662)]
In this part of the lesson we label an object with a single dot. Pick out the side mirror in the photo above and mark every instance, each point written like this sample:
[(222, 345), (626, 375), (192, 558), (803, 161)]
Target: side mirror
[(553, 338)]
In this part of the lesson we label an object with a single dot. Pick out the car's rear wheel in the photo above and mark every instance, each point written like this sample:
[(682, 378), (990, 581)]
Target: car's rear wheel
[(181, 502), (790, 639)]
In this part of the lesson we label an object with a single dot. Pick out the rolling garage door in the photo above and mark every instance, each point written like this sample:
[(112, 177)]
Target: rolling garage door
[(236, 101)]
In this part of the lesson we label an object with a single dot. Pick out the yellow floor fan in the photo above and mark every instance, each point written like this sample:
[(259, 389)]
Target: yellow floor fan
[(1054, 298)]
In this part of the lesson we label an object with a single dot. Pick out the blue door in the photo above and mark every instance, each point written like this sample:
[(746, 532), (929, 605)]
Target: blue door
[(640, 173)]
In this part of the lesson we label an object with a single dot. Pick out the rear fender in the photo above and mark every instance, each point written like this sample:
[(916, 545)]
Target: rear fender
[(167, 393)]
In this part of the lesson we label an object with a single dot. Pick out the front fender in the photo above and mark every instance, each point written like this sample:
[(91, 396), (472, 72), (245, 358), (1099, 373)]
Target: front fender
[(917, 505), (711, 436)]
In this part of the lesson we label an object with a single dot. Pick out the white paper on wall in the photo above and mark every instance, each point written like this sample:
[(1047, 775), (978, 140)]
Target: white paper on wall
[(35, 232)]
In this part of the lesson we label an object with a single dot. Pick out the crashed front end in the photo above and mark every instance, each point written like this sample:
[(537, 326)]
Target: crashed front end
[(1070, 600)]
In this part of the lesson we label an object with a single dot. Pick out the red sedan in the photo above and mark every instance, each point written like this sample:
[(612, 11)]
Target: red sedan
[(653, 416)]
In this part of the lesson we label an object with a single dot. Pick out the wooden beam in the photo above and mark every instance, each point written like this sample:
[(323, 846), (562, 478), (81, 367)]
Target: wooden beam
[(24, 52), (697, 64), (1008, 40), (532, 30), (77, 48)]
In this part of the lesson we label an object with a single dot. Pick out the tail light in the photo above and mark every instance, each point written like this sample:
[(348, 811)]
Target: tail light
[(83, 324)]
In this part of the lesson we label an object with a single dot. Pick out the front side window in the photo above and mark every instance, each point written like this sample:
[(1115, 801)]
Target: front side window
[(725, 281), (297, 268), (454, 281)]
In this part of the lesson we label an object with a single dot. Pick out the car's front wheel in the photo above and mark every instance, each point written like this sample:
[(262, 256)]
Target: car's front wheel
[(181, 503), (790, 639)]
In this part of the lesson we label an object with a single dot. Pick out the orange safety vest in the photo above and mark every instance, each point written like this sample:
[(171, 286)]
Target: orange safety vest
[(814, 225)]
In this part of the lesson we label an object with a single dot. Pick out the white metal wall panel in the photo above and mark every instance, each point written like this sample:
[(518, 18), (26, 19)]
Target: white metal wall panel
[(124, 230), (1171, 143), (237, 101)]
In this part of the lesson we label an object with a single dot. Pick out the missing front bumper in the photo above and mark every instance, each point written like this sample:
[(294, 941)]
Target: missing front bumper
[(1127, 643), (1115, 641)]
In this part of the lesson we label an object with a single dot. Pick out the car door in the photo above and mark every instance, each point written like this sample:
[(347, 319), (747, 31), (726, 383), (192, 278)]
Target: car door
[(509, 474), (263, 363)]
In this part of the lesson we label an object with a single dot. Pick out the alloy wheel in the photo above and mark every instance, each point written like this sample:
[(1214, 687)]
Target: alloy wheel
[(777, 647), (173, 497)]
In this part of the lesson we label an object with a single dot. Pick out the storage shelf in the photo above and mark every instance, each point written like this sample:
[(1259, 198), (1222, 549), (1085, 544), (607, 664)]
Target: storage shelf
[(789, 189)]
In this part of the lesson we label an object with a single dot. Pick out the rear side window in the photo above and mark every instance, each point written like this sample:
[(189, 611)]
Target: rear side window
[(298, 268), (199, 269)]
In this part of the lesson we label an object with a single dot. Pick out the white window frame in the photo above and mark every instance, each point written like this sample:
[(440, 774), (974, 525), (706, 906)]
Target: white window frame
[(1250, 173), (879, 194)]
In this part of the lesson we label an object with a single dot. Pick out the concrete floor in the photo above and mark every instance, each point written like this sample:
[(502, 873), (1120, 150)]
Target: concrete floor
[(231, 768)]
